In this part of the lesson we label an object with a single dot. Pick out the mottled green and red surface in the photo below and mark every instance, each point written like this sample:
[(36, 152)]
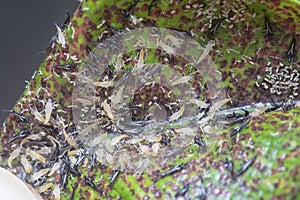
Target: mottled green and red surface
[(273, 137)]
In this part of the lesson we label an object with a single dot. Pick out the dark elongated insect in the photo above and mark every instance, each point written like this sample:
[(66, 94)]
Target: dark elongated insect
[(165, 140), (93, 161), (268, 30), (239, 128), (291, 52), (202, 191), (238, 120), (90, 183), (23, 133), (182, 191), (173, 170), (275, 106), (246, 166), (54, 37), (114, 177), (20, 116), (212, 31), (65, 66), (80, 159), (228, 164), (64, 181), (129, 10), (153, 2), (237, 115), (199, 141), (67, 21), (73, 193)]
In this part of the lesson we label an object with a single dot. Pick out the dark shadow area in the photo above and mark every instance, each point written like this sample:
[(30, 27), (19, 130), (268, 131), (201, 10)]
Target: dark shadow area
[(26, 28)]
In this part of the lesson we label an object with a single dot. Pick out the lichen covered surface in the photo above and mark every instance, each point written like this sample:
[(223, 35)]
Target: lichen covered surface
[(260, 161)]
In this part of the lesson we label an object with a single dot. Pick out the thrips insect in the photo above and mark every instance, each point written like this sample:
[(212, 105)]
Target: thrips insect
[(290, 53)]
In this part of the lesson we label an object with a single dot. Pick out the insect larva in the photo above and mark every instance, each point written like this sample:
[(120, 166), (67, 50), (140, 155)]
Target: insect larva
[(246, 166), (182, 80), (39, 174), (173, 170), (60, 37), (23, 133), (45, 187), (13, 155), (145, 149), (38, 115), (199, 103), (55, 167), (214, 28), (182, 191), (154, 138), (177, 114), (117, 139), (114, 177), (104, 84), (290, 53), (118, 63), (36, 156), (239, 128), (90, 183), (109, 158), (70, 141), (108, 110), (20, 116), (268, 29), (228, 164), (216, 106), (27, 166)]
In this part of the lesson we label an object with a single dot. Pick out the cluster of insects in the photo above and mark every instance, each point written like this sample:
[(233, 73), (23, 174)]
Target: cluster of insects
[(48, 151), (280, 80)]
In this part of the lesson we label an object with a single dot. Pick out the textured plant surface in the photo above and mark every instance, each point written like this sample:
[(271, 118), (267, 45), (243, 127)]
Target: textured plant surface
[(260, 161)]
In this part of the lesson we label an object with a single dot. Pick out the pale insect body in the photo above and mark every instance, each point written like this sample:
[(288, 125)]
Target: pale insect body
[(39, 174), (13, 155), (26, 165), (109, 159), (36, 156), (154, 138), (104, 84), (108, 110), (117, 139), (177, 114), (45, 187), (155, 148), (145, 149), (182, 80), (217, 106), (141, 62), (48, 111), (70, 141), (55, 168), (199, 103), (60, 37)]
